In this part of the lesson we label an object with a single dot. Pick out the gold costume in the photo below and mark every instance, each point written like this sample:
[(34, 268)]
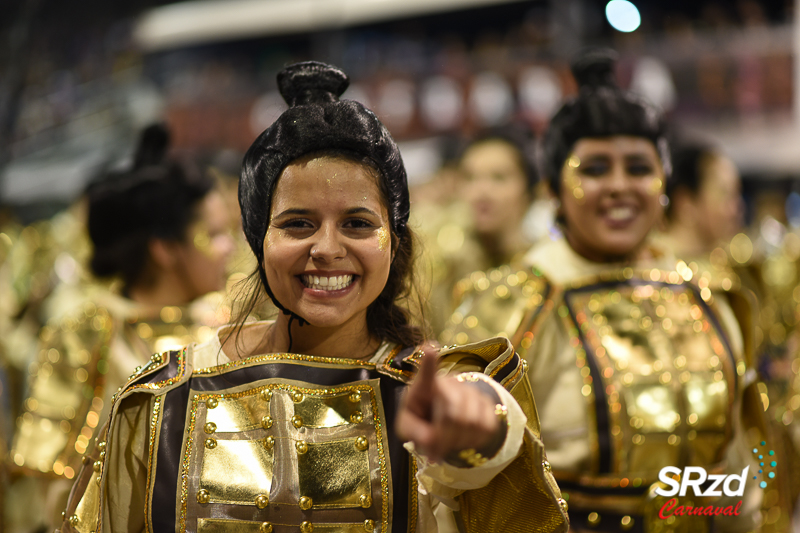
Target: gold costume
[(634, 368), (83, 359), (286, 442)]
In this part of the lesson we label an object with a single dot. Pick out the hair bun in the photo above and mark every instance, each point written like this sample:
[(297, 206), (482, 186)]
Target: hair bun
[(311, 82), (595, 68), (153, 145)]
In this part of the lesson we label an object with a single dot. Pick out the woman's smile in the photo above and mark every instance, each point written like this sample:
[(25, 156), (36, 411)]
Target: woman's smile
[(330, 283)]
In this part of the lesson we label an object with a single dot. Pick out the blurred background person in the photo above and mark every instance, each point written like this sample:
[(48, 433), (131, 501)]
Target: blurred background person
[(482, 227), (161, 231)]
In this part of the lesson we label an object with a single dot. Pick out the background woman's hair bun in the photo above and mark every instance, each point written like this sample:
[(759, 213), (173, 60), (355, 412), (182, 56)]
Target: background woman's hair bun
[(153, 146), (311, 82), (595, 68)]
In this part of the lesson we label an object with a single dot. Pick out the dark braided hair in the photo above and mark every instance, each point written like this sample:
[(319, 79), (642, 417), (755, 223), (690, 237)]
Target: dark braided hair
[(317, 122)]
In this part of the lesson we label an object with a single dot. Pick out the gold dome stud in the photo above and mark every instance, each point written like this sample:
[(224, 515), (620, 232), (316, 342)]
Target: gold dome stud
[(297, 397), (305, 503), (266, 527), (101, 445), (355, 397), (266, 422), (63, 515), (97, 466), (302, 447), (73, 520), (211, 443), (546, 465), (266, 395), (98, 480), (357, 417), (369, 525), (269, 442), (156, 358), (203, 496), (86, 459), (365, 501), (297, 421), (362, 444), (210, 427), (306, 527), (262, 500), (103, 456), (212, 403)]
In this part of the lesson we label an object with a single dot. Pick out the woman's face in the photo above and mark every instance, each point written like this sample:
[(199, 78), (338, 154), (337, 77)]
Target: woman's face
[(495, 186), (610, 192), (328, 250), (208, 247)]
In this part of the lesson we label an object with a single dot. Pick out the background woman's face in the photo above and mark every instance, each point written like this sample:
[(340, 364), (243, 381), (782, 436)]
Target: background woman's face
[(495, 186), (610, 191), (327, 251)]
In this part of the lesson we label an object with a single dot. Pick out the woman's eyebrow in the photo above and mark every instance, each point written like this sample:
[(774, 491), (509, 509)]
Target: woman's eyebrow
[(357, 210), (293, 211)]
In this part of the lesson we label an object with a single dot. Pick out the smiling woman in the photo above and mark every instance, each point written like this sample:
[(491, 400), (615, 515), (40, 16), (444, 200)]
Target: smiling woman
[(636, 365), (332, 417)]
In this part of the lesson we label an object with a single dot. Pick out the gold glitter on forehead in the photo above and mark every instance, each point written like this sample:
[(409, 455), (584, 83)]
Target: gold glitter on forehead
[(383, 238)]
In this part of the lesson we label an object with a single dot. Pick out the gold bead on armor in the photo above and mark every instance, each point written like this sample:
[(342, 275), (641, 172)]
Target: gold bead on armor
[(203, 496), (270, 442), (357, 417), (302, 447), (86, 459), (156, 358), (297, 397), (63, 515), (73, 520), (266, 395), (306, 527), (297, 421), (369, 525), (262, 500), (98, 479), (210, 428), (355, 397), (101, 445), (305, 503), (362, 444), (365, 500), (211, 444), (212, 403), (266, 422), (546, 465), (97, 466), (266, 527)]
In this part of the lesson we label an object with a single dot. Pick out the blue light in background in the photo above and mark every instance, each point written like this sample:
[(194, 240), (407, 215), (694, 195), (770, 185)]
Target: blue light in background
[(623, 15)]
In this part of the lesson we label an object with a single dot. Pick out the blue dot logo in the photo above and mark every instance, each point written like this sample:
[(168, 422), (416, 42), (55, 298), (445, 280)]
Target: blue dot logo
[(771, 465)]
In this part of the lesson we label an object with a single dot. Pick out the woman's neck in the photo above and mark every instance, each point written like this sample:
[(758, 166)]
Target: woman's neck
[(350, 340), (598, 256)]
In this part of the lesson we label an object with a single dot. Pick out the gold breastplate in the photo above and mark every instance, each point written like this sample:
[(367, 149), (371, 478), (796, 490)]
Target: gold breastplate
[(666, 377), (287, 454)]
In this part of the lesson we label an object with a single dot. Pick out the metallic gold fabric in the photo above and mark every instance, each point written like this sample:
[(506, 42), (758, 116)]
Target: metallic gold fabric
[(334, 474), (237, 471)]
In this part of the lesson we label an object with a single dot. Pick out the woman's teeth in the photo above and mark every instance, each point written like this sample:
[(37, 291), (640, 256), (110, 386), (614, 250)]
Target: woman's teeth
[(333, 283), (620, 213)]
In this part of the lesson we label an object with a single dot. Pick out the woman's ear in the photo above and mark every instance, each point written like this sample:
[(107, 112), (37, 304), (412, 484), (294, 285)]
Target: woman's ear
[(163, 253)]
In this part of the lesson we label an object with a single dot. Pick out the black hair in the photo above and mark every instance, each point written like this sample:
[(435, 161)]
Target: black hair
[(317, 122), (157, 198), (601, 109), (518, 139), (688, 159)]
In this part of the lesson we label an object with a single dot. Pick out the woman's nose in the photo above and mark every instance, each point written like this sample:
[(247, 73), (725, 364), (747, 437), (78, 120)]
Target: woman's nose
[(328, 245)]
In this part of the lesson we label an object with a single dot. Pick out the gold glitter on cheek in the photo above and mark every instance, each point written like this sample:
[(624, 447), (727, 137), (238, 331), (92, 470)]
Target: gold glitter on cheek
[(383, 238), (656, 186), (571, 179)]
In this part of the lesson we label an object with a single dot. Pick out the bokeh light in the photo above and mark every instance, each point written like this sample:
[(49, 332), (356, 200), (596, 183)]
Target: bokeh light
[(623, 15)]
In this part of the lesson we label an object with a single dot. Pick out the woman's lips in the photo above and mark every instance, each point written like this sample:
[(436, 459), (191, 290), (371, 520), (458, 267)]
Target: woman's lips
[(619, 216), (326, 283)]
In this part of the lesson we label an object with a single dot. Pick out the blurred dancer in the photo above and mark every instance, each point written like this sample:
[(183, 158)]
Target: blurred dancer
[(484, 227), (162, 231), (634, 368)]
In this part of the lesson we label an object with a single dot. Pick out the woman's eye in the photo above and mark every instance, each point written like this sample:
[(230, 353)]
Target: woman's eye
[(640, 169), (358, 223), (594, 169), (295, 224)]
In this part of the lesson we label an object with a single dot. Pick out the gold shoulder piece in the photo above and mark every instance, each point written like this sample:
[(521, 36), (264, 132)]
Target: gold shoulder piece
[(495, 303)]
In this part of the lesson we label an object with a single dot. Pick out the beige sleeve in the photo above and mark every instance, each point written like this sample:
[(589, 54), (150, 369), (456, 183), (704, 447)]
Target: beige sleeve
[(124, 485), (440, 484)]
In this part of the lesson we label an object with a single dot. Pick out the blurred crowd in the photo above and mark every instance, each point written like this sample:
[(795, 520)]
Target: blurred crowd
[(151, 256)]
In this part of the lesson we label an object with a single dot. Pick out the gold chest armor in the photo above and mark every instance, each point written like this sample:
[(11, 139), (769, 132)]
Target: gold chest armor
[(308, 457), (667, 379)]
